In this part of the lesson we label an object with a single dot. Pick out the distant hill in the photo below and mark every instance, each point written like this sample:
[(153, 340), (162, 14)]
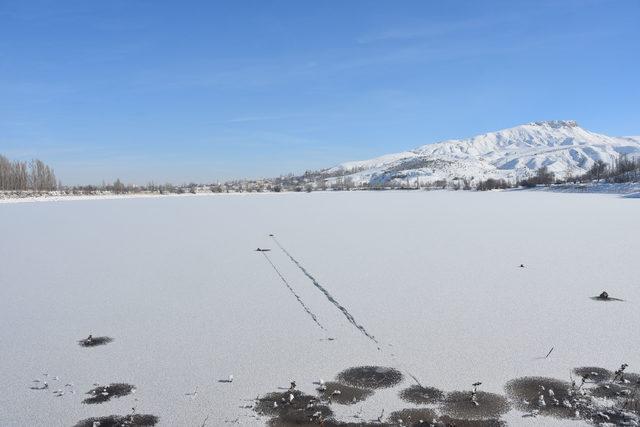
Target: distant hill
[(516, 153)]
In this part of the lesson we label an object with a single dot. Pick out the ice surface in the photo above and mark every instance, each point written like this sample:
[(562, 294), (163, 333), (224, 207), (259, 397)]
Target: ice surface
[(433, 276)]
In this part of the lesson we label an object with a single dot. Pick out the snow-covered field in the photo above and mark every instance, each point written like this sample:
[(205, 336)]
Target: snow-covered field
[(433, 276)]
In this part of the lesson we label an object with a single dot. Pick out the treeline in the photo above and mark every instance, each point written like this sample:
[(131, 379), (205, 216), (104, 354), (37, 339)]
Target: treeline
[(623, 170), (543, 176), (493, 184), (118, 187), (25, 176)]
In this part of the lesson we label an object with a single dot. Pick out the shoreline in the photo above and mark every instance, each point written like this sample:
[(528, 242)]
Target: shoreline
[(627, 190)]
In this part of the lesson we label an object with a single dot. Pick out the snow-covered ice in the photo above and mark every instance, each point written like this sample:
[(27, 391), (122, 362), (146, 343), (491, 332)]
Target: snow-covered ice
[(434, 277)]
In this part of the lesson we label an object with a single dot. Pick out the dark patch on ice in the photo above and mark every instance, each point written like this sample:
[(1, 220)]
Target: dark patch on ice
[(94, 341), (593, 373), (457, 422), (558, 397), (462, 404), (611, 390), (103, 394), (343, 394), (334, 423), (44, 386), (614, 416), (276, 422), (413, 417), (421, 395), (628, 378), (632, 405), (608, 299), (301, 410), (370, 377), (134, 420), (578, 401)]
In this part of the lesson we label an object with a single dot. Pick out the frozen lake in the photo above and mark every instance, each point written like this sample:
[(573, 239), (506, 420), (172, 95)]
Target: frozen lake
[(434, 277)]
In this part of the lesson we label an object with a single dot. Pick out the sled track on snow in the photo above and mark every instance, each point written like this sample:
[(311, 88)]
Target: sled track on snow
[(304, 306), (326, 293)]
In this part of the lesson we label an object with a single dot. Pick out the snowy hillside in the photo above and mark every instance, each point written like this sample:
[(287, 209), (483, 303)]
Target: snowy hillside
[(514, 153)]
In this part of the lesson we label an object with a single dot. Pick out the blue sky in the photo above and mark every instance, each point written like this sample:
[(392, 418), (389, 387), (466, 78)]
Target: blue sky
[(211, 90)]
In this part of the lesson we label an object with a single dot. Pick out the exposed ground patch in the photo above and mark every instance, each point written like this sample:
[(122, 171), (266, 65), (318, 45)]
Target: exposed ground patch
[(134, 420), (370, 377), (421, 395), (343, 394), (482, 405), (103, 394)]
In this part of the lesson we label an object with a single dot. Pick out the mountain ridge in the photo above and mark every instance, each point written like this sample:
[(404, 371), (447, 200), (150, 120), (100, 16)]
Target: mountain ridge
[(515, 153)]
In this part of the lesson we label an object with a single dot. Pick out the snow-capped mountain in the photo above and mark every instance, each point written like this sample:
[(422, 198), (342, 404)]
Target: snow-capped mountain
[(515, 153)]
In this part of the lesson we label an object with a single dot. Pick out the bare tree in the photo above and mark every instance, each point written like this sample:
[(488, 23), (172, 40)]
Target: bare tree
[(545, 176), (598, 170), (119, 187), (22, 176)]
